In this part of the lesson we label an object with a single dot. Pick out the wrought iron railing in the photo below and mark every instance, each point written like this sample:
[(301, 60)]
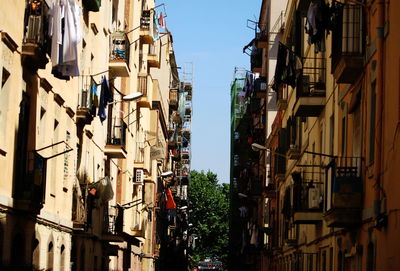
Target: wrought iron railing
[(348, 34), (120, 47), (142, 84), (117, 134)]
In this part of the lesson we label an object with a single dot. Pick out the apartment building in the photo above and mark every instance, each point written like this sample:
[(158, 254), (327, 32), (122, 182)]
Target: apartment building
[(85, 100), (334, 141)]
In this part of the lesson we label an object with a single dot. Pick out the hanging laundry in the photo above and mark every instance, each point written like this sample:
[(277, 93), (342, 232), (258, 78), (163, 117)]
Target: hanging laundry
[(66, 33), (318, 20), (155, 25), (161, 20), (170, 200), (105, 98), (288, 67), (94, 96)]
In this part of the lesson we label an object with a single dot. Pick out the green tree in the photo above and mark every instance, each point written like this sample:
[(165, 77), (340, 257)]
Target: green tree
[(209, 202)]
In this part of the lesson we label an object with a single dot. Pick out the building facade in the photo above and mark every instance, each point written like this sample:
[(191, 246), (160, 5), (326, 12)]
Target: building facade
[(85, 96), (333, 144)]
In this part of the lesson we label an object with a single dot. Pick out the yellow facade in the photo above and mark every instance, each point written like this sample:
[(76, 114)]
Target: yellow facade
[(91, 208), (336, 131)]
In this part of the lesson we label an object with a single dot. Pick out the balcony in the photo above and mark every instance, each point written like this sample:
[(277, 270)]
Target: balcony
[(187, 87), (30, 193), (188, 108), (153, 59), (113, 221), (84, 114), (310, 89), (92, 5), (282, 98), (186, 129), (293, 152), (146, 27), (115, 147), (173, 99), (119, 55), (185, 153), (307, 203), (256, 60), (35, 41), (344, 188), (139, 229), (260, 88), (262, 39), (347, 38), (144, 85), (79, 211)]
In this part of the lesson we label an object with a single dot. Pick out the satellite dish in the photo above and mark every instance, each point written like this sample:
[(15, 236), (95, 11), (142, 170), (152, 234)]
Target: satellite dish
[(132, 96)]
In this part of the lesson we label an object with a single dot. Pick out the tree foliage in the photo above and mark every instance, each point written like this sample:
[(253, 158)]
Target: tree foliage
[(209, 202)]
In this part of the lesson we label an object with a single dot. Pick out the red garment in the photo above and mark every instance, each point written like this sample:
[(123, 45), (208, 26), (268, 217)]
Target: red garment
[(161, 20), (170, 200)]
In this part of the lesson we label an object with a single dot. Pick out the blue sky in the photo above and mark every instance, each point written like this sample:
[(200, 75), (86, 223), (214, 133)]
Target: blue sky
[(211, 34)]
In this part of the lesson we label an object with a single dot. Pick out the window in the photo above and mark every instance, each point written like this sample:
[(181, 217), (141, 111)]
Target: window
[(371, 257), (62, 260), (331, 133), (372, 112), (36, 253), (344, 137), (50, 256)]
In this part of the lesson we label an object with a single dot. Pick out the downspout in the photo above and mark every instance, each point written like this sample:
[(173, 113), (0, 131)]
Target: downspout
[(379, 101)]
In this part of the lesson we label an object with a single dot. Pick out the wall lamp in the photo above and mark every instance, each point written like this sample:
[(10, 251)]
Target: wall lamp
[(167, 174), (129, 98), (259, 147)]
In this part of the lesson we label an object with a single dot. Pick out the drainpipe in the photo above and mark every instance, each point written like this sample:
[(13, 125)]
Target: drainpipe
[(379, 108)]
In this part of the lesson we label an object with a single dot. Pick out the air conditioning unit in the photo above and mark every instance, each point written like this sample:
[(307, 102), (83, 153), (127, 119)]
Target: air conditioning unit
[(313, 198), (139, 177)]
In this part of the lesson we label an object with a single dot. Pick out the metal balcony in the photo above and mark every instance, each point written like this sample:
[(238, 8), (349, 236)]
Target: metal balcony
[(144, 87), (153, 58), (347, 39), (293, 152), (173, 99), (344, 200), (35, 40), (115, 147), (260, 88), (146, 27), (113, 225), (119, 55), (310, 89), (256, 60), (84, 111)]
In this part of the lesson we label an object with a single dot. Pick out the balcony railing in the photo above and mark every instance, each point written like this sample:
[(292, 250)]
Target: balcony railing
[(85, 104), (307, 201), (31, 191), (256, 58), (36, 41), (119, 54), (173, 98), (347, 39), (113, 224), (146, 27), (310, 89), (116, 139), (142, 84), (344, 192)]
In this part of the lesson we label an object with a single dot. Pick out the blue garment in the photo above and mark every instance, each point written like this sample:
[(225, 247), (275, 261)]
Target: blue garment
[(105, 98)]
